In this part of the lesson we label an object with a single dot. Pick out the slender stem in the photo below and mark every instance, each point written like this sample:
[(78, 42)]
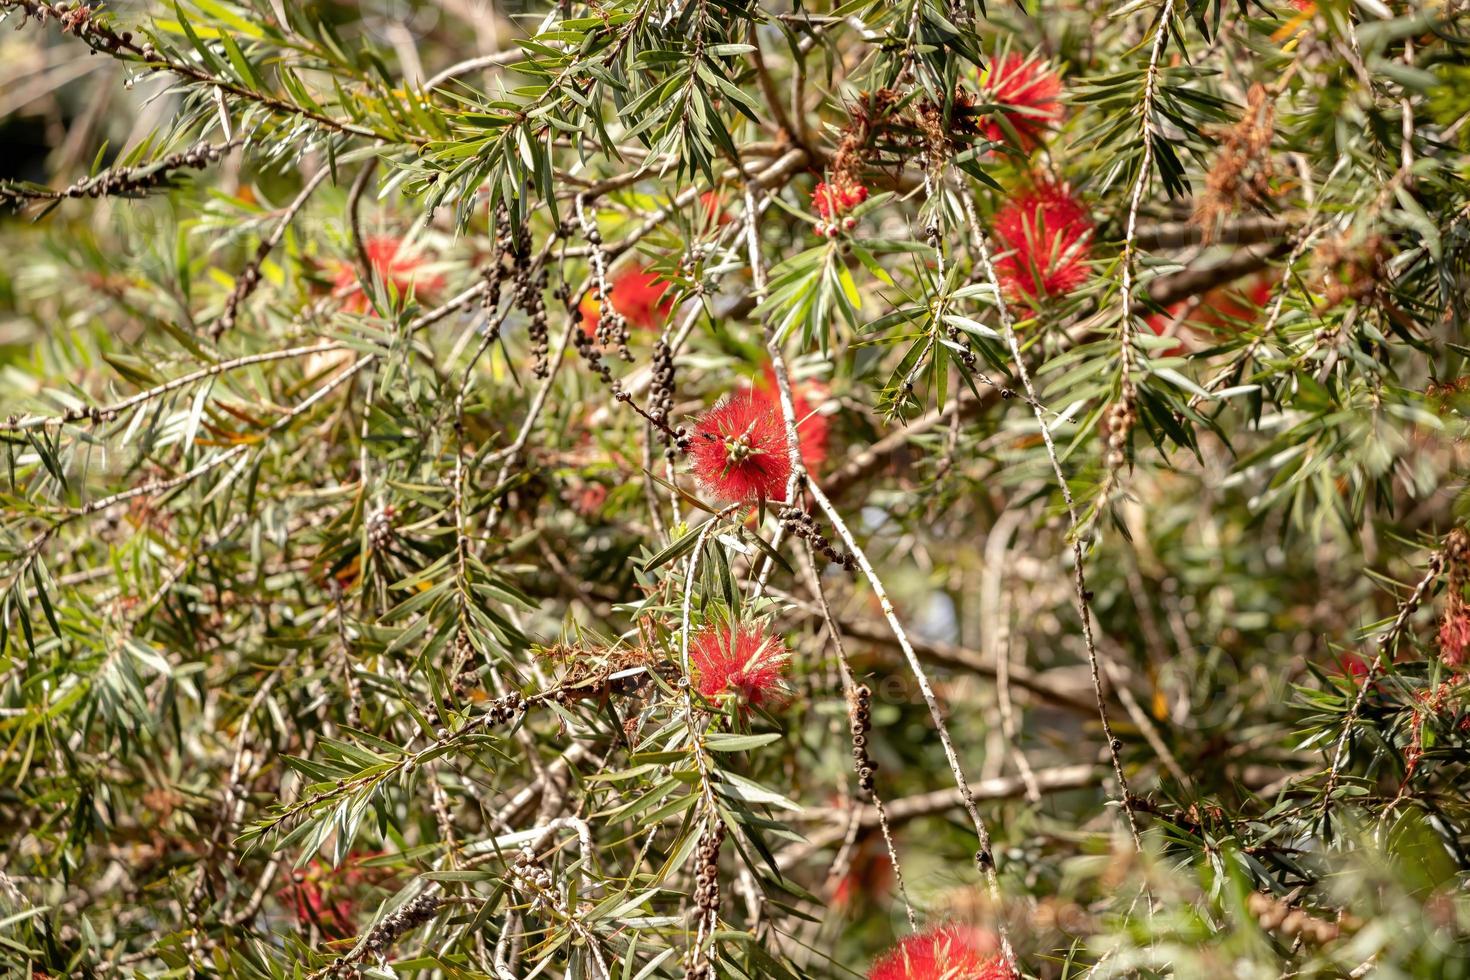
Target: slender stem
[(249, 277), (1079, 575), (985, 859), (1145, 168), (1387, 643), (814, 584), (354, 217), (107, 413), (496, 60)]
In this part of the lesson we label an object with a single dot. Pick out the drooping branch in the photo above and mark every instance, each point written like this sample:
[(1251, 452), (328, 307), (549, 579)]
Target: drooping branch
[(1082, 593), (106, 413), (134, 181)]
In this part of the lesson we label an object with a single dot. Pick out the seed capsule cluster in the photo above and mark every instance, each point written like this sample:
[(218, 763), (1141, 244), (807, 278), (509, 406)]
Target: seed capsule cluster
[(706, 896), (505, 708), (586, 345), (527, 874), (245, 284), (380, 529), (384, 935), (528, 292), (494, 273), (707, 880), (800, 524), (612, 326), (1275, 915), (530, 299), (663, 403), (612, 331), (414, 914), (1120, 419), (861, 713), (661, 396), (495, 713), (130, 181), (467, 674), (962, 348), (76, 19)]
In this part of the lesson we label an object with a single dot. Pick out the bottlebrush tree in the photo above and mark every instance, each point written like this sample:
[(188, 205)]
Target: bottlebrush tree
[(917, 489)]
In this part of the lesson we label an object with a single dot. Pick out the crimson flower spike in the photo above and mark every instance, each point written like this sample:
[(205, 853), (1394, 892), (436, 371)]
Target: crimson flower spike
[(739, 452), (743, 661), (1047, 235), (946, 952), (1026, 91)]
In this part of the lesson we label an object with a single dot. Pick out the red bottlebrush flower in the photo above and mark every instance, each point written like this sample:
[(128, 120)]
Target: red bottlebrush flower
[(714, 208), (837, 198), (1047, 234), (638, 295), (739, 449), (949, 952), (394, 264), (1454, 635), (1355, 670), (743, 661), (868, 876), (1222, 309), (1354, 666), (832, 201), (588, 500), (1227, 307), (811, 425), (322, 895), (1027, 91), (1260, 291)]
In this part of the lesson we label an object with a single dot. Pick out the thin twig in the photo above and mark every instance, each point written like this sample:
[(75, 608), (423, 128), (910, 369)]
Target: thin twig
[(814, 583), (996, 639), (354, 218), (985, 859), (107, 413), (496, 60), (249, 277), (1081, 593), (1387, 644)]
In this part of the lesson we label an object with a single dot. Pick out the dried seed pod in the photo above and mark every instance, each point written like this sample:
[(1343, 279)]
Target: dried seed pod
[(802, 525), (859, 708)]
